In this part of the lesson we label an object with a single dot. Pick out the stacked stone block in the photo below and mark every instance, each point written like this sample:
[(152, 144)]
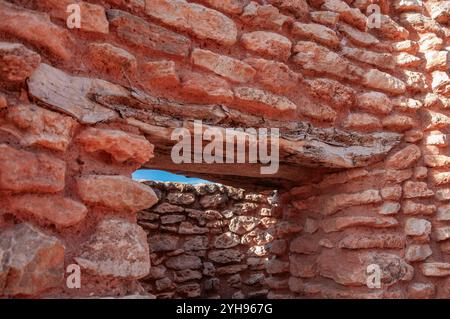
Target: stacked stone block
[(209, 241)]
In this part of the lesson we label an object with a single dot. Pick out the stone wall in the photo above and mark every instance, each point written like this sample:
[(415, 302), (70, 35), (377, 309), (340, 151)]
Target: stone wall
[(67, 198), (209, 241), (362, 111)]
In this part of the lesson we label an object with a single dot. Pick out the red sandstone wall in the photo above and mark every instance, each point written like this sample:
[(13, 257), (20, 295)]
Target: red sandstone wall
[(75, 122), (67, 199)]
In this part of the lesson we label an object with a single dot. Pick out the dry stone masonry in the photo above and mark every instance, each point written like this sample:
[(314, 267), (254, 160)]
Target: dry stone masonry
[(209, 241), (364, 161)]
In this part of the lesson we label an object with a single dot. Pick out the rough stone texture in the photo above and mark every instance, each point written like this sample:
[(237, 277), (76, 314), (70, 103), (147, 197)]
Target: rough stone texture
[(230, 6), (374, 102), (317, 32), (110, 59), (312, 56), (416, 190), (267, 44), (440, 11), (385, 241), (115, 192), (55, 209), (36, 29), (23, 171), (151, 37), (207, 88), (331, 205), (243, 224), (404, 158), (417, 253), (413, 208), (225, 66), (160, 74), (417, 227), (333, 91), (362, 122), (30, 261), (120, 145), (220, 250), (436, 269), (337, 267), (274, 76), (67, 94), (379, 80), (202, 22), (340, 223), (18, 62), (358, 37), (363, 175), (38, 126), (265, 16), (298, 7), (127, 246), (252, 98), (442, 233)]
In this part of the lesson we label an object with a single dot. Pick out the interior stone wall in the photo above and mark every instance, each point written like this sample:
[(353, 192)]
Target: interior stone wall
[(210, 241), (362, 112)]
